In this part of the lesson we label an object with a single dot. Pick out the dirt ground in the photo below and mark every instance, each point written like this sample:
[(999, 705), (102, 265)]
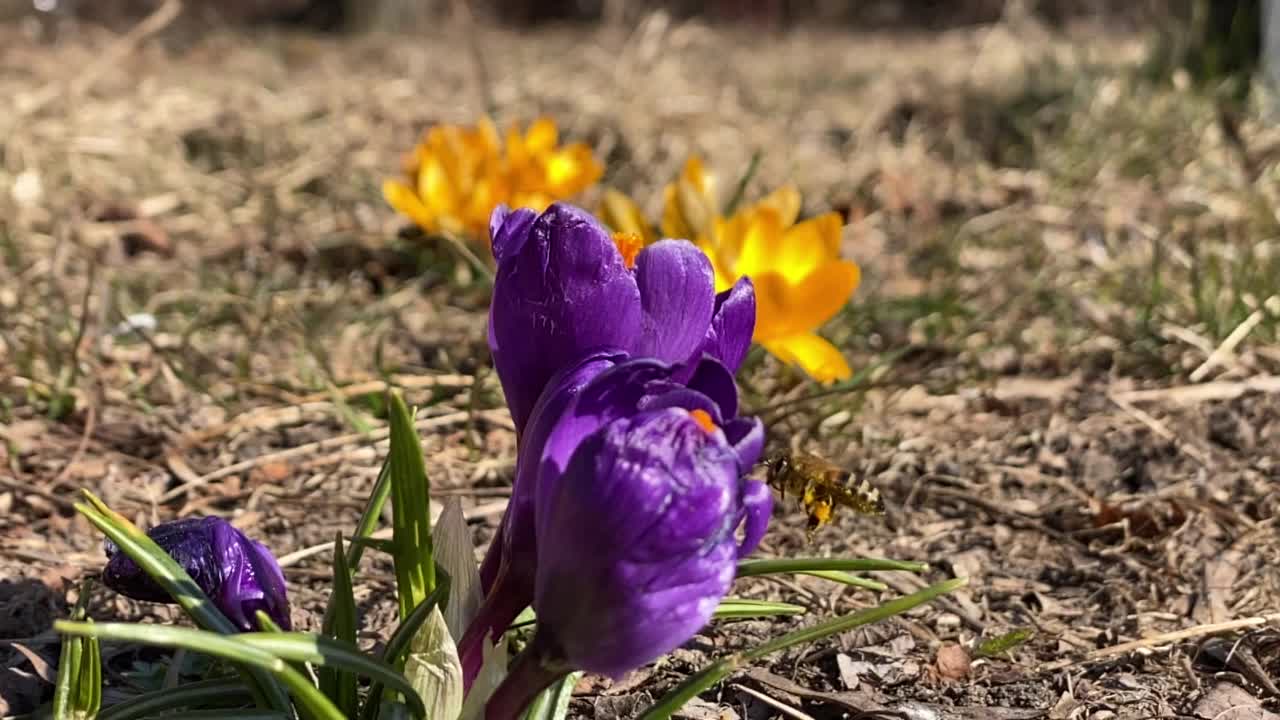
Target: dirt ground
[(1068, 328)]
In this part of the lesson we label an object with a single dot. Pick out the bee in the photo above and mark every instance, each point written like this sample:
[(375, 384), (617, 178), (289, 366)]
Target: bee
[(822, 487)]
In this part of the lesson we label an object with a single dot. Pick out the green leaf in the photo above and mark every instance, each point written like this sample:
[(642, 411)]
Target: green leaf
[(740, 191), (411, 505), (237, 714), (845, 578), (340, 624), (752, 568), (738, 608), (456, 554), (722, 668), (224, 692), (372, 512), (1002, 644), (327, 652), (169, 575), (78, 693), (232, 648), (398, 643), (553, 703)]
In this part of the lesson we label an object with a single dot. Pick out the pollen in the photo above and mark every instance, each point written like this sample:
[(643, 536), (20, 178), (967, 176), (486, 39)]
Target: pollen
[(703, 418), (629, 244)]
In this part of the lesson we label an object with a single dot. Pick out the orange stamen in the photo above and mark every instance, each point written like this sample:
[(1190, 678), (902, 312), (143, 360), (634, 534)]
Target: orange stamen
[(629, 244), (703, 418)]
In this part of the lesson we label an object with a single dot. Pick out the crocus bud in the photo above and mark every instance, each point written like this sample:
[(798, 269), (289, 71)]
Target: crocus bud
[(240, 575), (636, 547)]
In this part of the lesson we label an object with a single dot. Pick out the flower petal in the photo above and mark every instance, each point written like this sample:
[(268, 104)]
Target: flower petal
[(814, 354), (677, 294), (404, 200), (732, 324), (640, 546), (757, 507), (784, 308), (563, 294), (623, 214), (508, 230)]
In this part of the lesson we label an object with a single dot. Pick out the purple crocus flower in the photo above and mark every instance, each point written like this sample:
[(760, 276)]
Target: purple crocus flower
[(566, 288), (582, 404), (636, 544), (240, 575)]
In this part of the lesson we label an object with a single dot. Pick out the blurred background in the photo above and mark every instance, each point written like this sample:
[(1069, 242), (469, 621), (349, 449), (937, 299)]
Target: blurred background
[(1066, 339)]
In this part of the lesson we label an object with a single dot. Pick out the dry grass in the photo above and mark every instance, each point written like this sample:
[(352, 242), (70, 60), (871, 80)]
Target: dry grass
[(1055, 246)]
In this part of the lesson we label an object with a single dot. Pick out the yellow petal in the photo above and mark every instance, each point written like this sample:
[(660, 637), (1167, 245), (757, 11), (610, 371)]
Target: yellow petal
[(623, 214), (541, 136), (814, 354), (689, 204), (751, 241), (405, 201), (784, 308), (786, 201)]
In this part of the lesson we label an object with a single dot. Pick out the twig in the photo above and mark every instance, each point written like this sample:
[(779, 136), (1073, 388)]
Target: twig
[(119, 50), (1204, 392), (375, 436), (781, 707), (89, 422), (1228, 346), (1150, 643), (474, 513)]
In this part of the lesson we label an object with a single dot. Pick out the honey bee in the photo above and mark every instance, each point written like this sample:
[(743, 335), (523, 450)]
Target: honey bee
[(822, 487)]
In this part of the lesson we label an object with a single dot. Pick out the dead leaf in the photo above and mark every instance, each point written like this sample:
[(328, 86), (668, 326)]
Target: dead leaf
[(1225, 701), (952, 662)]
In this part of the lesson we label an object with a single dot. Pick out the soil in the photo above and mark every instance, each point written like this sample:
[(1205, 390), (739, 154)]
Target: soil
[(1056, 251)]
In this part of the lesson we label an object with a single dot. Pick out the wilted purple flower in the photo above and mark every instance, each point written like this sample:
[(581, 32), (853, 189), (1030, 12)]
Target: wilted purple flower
[(636, 546), (564, 289), (240, 575), (583, 404)]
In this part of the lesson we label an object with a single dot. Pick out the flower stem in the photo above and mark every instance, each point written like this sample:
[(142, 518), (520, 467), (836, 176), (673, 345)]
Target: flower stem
[(533, 671)]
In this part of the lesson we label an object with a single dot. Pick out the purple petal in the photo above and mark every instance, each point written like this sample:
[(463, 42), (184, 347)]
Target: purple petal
[(757, 507), (638, 545), (561, 292), (729, 336), (746, 435), (508, 230), (677, 294)]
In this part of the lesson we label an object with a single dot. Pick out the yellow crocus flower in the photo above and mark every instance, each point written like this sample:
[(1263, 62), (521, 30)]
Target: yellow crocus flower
[(800, 280), (457, 175)]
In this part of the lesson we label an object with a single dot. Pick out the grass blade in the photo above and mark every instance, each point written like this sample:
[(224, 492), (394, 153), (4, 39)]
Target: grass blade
[(721, 669), (372, 513), (739, 608), (327, 652), (228, 692), (754, 568), (411, 518), (178, 584), (232, 648), (553, 703), (78, 692), (340, 624)]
